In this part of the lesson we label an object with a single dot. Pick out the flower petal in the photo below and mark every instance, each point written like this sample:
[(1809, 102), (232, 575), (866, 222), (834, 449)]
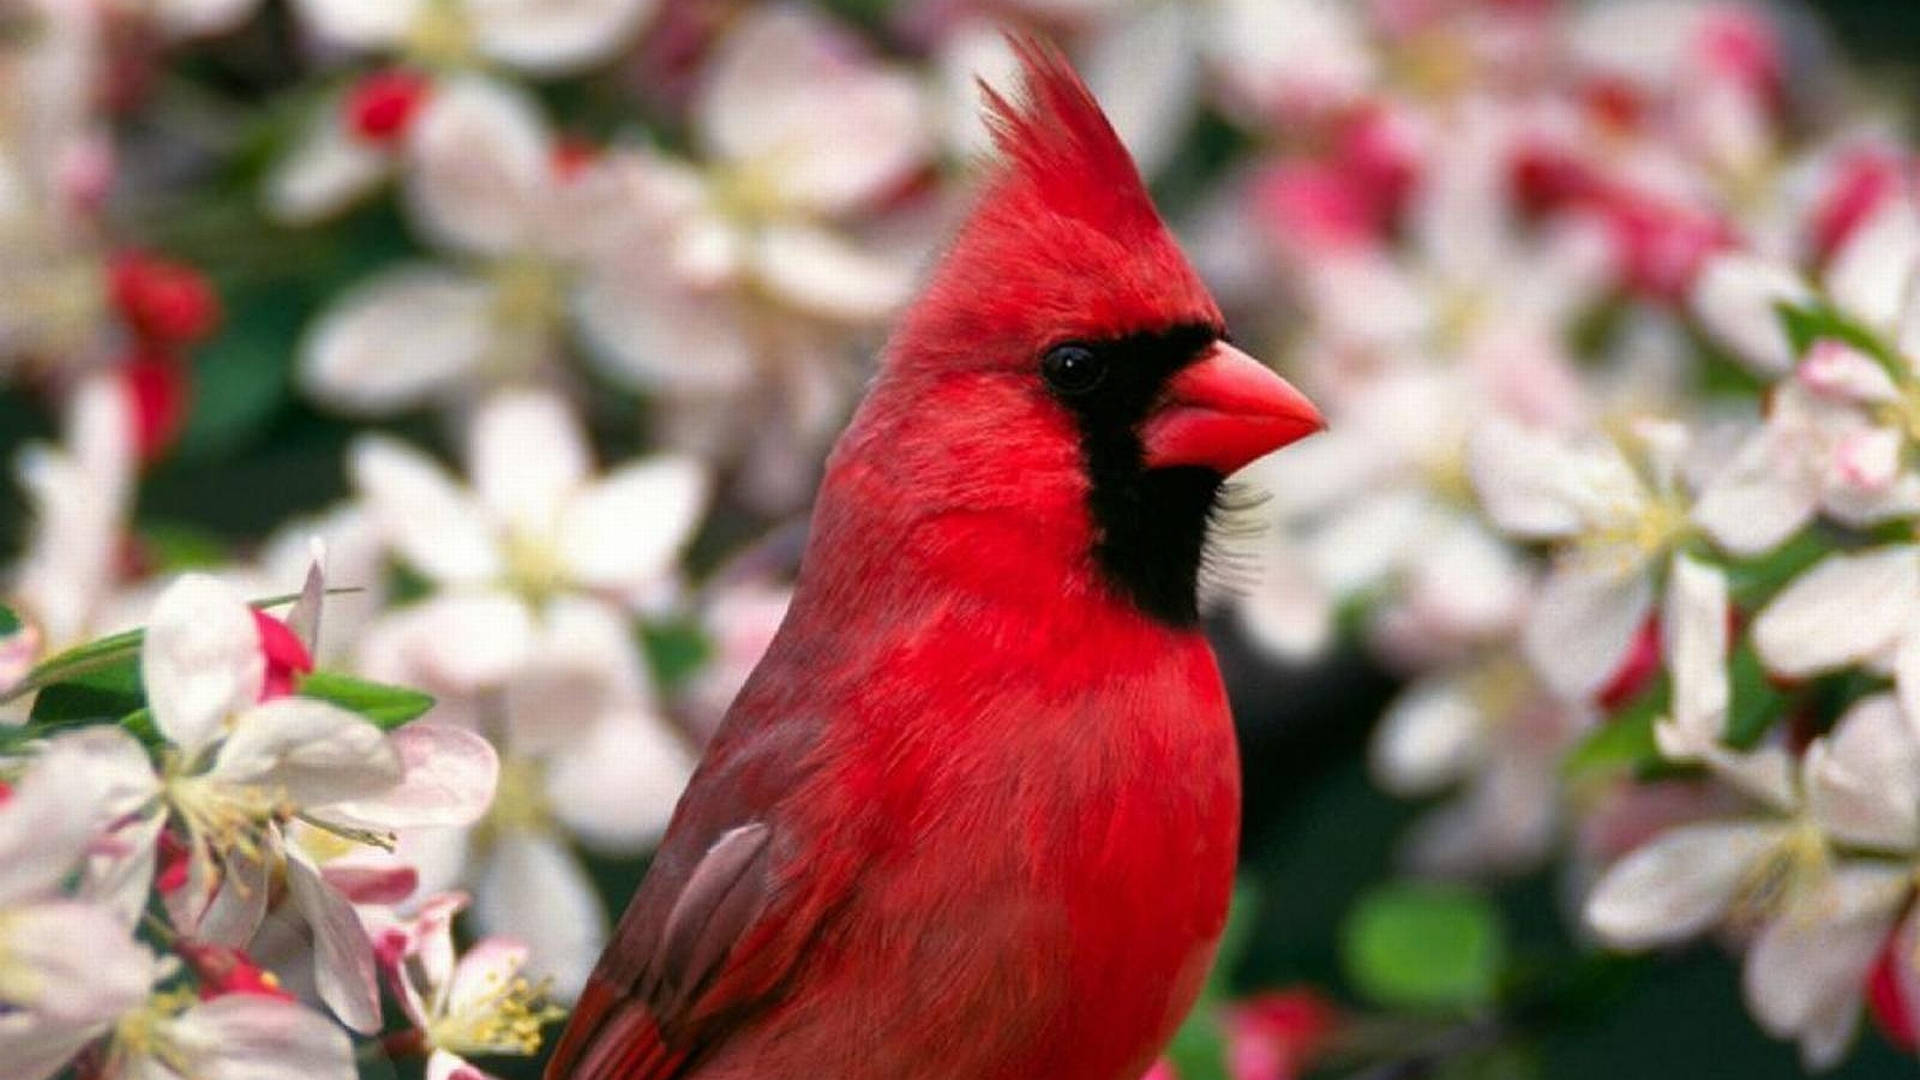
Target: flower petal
[(437, 527), (1871, 276), (617, 787), (821, 272), (316, 752), (358, 24), (527, 453), (1846, 610), (1428, 738), (1735, 299), (1863, 779), (1678, 885), (481, 156), (624, 532), (551, 37), (327, 171), (1582, 623), (534, 890), (79, 961), (448, 778), (250, 1037), (1694, 631), (1807, 962), (200, 660), (343, 953), (397, 339), (1763, 494)]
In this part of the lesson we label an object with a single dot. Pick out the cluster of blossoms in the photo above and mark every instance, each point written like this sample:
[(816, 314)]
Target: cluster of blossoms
[(1611, 307)]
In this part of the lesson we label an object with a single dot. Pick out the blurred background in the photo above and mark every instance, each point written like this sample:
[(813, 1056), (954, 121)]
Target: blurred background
[(268, 179)]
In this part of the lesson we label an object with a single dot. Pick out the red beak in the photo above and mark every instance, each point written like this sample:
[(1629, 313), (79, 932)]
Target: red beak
[(1224, 410)]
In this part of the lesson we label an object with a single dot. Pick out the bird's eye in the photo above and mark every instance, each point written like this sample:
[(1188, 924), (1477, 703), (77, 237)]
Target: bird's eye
[(1073, 369)]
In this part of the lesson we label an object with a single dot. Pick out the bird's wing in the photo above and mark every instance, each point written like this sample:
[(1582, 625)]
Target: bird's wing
[(715, 929)]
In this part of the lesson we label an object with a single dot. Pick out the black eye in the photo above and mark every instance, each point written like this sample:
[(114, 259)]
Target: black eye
[(1073, 369)]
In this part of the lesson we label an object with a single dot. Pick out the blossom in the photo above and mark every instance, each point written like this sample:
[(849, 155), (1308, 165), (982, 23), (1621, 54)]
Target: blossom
[(235, 1036), (69, 966), (476, 1005), (240, 766), (1621, 508)]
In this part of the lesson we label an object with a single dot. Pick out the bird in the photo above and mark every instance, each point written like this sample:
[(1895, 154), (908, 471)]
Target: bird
[(974, 816)]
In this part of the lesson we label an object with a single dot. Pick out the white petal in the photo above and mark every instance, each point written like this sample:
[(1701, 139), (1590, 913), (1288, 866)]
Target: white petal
[(1582, 624), (455, 643), (1764, 494), (527, 453), (1289, 614), (201, 18), (438, 528), (449, 775), (223, 903), (617, 787), (1678, 885), (1872, 275), (397, 339), (1735, 300), (481, 155), (327, 171), (249, 1037), (795, 95), (78, 960), (1848, 609), (1863, 780), (1694, 631), (534, 890), (45, 826), (551, 37), (361, 24), (1837, 370), (200, 660), (1145, 71), (444, 1066), (1429, 737), (655, 332), (316, 752), (1809, 961), (820, 272), (584, 662), (1526, 480), (343, 954), (38, 1046), (625, 531)]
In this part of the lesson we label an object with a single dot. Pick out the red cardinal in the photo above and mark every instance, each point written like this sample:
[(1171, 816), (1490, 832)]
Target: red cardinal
[(974, 816)]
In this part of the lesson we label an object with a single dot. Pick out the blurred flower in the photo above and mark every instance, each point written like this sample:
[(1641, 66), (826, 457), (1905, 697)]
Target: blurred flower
[(542, 37), (69, 966)]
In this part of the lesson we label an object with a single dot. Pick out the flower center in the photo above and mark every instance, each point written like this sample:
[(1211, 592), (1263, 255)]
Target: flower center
[(440, 36), (224, 818), (19, 983), (1785, 878), (505, 1018), (144, 1035), (534, 569), (520, 800)]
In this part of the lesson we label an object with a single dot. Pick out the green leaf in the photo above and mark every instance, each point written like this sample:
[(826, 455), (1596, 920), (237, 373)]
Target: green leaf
[(175, 547), (676, 651), (100, 695), (1808, 323), (1422, 946), (10, 622), (387, 706), (1752, 582), (80, 661), (1621, 744), (1756, 705)]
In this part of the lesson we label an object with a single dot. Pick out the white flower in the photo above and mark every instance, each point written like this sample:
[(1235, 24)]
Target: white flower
[(1488, 729), (238, 769), (1282, 58), (477, 1005), (484, 182), (69, 966), (1620, 521)]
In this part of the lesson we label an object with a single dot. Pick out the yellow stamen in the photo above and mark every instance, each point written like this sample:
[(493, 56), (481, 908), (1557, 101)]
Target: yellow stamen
[(505, 1018)]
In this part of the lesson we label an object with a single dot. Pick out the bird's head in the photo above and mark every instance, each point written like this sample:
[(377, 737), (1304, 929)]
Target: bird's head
[(1065, 368)]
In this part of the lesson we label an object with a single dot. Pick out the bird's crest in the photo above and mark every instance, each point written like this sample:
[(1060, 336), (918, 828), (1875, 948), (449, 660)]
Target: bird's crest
[(1059, 148)]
